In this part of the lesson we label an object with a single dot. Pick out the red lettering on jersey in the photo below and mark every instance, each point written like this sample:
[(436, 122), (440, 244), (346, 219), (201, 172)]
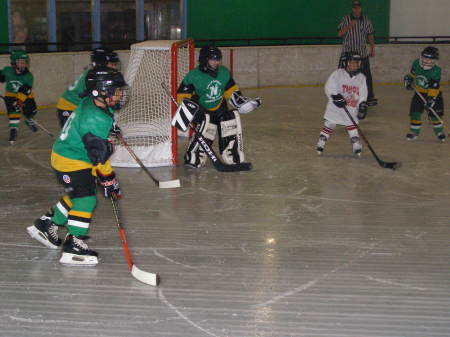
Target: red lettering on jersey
[(351, 94)]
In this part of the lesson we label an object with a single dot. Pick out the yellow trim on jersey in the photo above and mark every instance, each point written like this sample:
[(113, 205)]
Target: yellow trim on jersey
[(227, 94), (14, 115), (67, 200), (81, 214), (64, 164), (64, 104), (433, 92), (104, 169), (18, 95), (180, 97)]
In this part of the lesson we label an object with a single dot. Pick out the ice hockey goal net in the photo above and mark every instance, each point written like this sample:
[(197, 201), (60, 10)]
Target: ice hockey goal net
[(145, 120)]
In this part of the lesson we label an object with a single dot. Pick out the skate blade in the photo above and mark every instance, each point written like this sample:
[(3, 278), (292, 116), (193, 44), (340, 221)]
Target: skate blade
[(38, 236), (78, 260)]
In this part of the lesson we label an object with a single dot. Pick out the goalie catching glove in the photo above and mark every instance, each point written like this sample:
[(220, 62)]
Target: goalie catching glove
[(185, 114), (244, 104)]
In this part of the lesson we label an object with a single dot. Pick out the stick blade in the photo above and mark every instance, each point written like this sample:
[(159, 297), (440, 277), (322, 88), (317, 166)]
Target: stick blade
[(392, 165), (234, 167), (169, 183), (145, 277)]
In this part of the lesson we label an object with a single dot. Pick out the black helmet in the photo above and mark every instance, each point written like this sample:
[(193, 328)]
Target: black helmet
[(102, 82), (428, 57), (208, 53), (351, 56), (99, 57)]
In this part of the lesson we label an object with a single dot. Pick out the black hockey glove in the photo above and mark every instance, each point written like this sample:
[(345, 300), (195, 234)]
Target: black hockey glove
[(339, 100), (25, 89), (362, 110), (110, 185), (431, 101), (408, 82), (115, 130)]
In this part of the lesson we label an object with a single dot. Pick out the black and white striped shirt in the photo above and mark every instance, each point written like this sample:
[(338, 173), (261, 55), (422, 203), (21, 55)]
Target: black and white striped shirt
[(355, 39)]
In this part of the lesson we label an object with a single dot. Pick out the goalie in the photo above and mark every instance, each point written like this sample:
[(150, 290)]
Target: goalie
[(210, 85)]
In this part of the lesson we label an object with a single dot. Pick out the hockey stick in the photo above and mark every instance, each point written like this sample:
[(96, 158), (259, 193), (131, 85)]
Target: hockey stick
[(143, 276), (391, 165), (161, 184), (33, 121), (220, 166), (432, 111)]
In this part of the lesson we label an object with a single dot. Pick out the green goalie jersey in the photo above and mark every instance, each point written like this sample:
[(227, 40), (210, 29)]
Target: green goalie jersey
[(427, 81), (210, 90), (69, 152)]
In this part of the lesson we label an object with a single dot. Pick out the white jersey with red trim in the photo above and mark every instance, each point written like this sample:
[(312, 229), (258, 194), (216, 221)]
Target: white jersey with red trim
[(354, 90)]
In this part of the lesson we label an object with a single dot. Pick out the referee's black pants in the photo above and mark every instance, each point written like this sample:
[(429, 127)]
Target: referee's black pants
[(365, 69)]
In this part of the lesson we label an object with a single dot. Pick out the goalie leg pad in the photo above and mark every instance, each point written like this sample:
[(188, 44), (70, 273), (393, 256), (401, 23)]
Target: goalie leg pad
[(231, 143), (195, 156)]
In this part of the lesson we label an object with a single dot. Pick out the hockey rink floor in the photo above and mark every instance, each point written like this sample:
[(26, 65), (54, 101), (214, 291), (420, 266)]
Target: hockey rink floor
[(302, 245)]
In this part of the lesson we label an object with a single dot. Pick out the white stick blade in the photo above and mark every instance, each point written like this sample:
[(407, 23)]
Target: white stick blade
[(170, 183), (145, 277)]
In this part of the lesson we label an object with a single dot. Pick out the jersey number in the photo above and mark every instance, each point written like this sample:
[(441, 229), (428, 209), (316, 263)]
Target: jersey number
[(66, 128)]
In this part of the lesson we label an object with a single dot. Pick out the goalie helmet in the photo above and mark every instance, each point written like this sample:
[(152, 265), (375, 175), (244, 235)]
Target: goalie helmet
[(428, 57), (20, 61), (209, 53), (103, 82), (348, 57)]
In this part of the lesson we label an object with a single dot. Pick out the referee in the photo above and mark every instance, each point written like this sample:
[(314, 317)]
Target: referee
[(356, 30)]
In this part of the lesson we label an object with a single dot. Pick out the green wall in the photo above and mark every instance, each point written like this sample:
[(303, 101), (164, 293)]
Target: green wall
[(234, 19), (4, 24)]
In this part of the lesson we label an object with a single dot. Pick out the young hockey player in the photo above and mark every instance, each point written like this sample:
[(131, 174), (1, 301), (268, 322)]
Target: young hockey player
[(345, 87), (209, 85), (18, 93), (79, 158), (425, 76), (100, 57)]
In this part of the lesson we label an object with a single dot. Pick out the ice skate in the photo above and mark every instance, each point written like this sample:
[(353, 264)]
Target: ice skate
[(441, 137), (411, 136), (45, 232), (356, 146), (31, 124), (321, 144), (12, 136), (76, 252)]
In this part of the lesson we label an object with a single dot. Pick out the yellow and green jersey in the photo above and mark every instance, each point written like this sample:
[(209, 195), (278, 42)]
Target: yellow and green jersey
[(427, 81), (71, 96), (69, 153), (209, 89), (15, 81)]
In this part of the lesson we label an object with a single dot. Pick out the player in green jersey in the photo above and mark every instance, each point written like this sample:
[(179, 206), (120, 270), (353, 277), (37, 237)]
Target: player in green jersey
[(80, 157), (210, 84), (18, 92), (425, 76), (100, 57)]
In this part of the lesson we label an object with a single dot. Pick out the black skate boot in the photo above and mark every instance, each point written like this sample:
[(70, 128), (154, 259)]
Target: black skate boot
[(30, 123), (45, 231), (441, 137), (76, 252), (321, 144), (12, 135), (411, 136)]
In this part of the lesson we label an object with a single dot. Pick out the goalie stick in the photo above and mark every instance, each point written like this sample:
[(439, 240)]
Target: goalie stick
[(143, 276), (432, 110), (161, 184), (391, 165), (35, 122), (220, 166)]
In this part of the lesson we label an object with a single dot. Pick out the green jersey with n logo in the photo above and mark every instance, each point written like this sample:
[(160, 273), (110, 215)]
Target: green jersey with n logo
[(209, 89), (427, 81)]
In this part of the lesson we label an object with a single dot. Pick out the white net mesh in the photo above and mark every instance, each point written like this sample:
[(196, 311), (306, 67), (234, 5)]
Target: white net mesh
[(145, 120)]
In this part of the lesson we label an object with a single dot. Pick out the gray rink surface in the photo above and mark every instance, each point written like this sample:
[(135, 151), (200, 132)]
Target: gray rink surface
[(302, 245)]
